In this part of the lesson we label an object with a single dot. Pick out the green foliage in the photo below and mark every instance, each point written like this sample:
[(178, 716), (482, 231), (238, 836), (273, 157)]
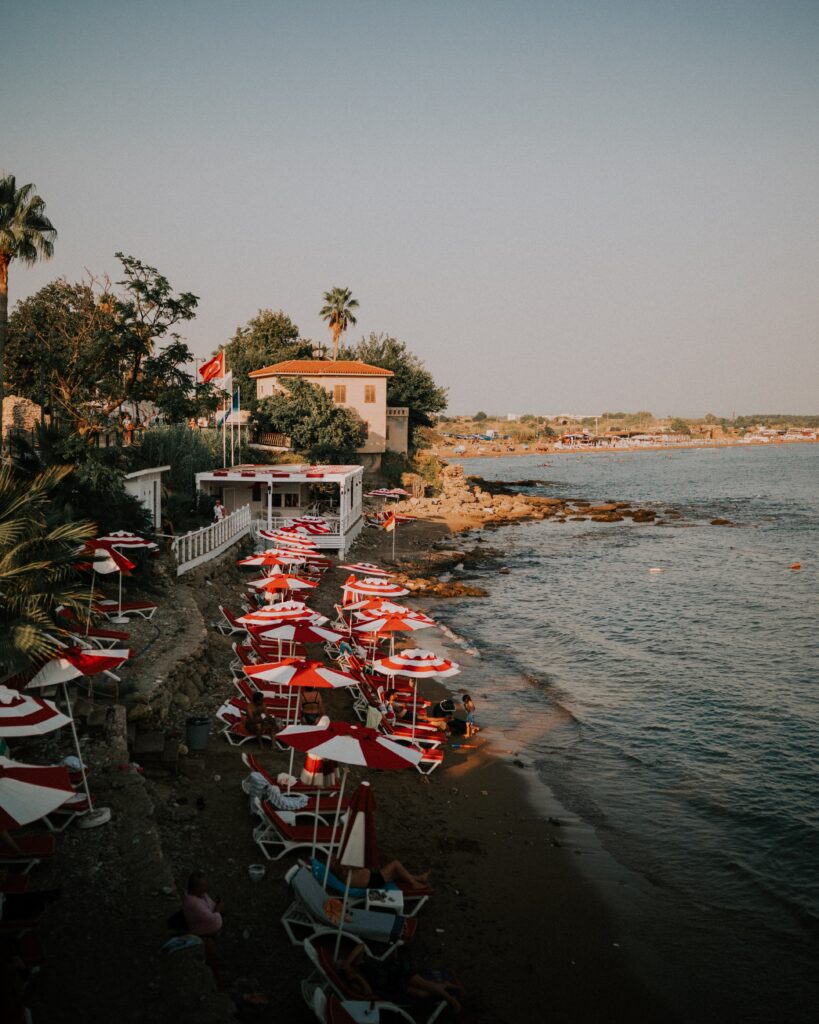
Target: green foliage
[(37, 566), (265, 339), (93, 486), (82, 350), (412, 385), (338, 312), (679, 426), (186, 451), (319, 429), (479, 417)]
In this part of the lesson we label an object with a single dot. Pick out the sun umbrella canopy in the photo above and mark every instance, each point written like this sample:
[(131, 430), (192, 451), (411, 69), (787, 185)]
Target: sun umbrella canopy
[(350, 744), (285, 611), (300, 633), (272, 558), (418, 664), (106, 559), (368, 569), (359, 848), (74, 662), (389, 492), (289, 537), (22, 715), (123, 539), (282, 581), (316, 525), (380, 609), (370, 586), (27, 791), (393, 624), (299, 672)]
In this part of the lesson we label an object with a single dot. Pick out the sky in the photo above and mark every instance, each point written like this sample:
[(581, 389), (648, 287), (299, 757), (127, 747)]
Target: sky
[(559, 206)]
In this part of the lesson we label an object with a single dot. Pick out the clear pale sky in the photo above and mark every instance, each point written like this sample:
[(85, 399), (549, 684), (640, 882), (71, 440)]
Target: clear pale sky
[(560, 206)]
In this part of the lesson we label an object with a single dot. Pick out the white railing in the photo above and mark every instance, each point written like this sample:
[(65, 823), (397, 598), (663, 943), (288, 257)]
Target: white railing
[(192, 549)]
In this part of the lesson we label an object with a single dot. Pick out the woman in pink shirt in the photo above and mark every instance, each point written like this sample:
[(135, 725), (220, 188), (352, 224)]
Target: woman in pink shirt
[(203, 915)]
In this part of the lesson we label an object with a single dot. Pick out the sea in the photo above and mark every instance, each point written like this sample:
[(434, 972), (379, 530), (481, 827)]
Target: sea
[(672, 715)]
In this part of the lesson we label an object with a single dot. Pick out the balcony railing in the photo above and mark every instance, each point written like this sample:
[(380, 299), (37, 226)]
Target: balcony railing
[(199, 546)]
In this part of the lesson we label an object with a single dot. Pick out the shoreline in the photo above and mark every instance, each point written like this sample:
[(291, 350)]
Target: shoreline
[(446, 453), (575, 915)]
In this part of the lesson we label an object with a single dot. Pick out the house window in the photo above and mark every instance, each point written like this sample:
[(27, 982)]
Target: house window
[(340, 394), (291, 500), (277, 500), (257, 493), (369, 393)]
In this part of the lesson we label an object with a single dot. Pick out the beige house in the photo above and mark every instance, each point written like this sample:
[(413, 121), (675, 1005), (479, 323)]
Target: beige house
[(355, 385)]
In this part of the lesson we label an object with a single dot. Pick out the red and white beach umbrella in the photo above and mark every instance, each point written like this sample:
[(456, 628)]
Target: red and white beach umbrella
[(371, 586), (349, 744), (389, 625), (368, 569), (417, 664), (288, 538), (28, 792), (315, 525), (127, 541), (285, 611), (358, 847), (389, 492), (299, 672), (380, 609), (24, 715), (273, 558), (282, 581), (73, 662), (298, 633)]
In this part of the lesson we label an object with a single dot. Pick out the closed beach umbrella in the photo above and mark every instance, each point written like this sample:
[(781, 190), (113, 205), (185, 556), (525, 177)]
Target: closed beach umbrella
[(371, 586), (106, 559), (24, 715), (368, 569), (358, 847), (28, 792)]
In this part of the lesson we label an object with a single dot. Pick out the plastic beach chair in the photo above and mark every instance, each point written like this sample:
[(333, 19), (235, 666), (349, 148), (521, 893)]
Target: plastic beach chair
[(381, 933), (112, 609), (278, 834), (33, 850)]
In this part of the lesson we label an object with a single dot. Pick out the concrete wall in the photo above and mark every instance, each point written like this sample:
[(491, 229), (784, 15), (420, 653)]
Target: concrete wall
[(398, 429), (146, 487)]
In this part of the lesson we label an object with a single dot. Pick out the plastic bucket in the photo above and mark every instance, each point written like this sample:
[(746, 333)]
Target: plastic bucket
[(256, 872), (197, 731)]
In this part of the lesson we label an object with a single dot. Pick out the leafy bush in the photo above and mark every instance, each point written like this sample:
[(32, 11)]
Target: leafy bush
[(318, 429)]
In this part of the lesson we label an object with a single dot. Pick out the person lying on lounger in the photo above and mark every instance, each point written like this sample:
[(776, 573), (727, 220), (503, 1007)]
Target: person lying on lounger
[(364, 878), (395, 980)]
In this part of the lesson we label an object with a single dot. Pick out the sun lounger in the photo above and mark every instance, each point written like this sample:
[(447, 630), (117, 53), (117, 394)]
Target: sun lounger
[(234, 728), (112, 609), (61, 817), (307, 915), (413, 898), (254, 764), (278, 835), (229, 626), (33, 850)]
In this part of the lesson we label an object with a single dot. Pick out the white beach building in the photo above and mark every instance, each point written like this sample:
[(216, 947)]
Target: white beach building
[(277, 495)]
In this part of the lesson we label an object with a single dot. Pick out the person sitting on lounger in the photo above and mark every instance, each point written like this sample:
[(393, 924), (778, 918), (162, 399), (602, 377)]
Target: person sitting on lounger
[(312, 706), (400, 712), (395, 980), (257, 721), (364, 878)]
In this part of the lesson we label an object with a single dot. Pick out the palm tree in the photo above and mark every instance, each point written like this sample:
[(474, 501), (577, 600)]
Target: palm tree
[(26, 234), (338, 312), (38, 560)]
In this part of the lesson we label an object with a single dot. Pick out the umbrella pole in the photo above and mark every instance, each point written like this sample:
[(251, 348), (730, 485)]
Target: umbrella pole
[(91, 817), (90, 603), (414, 707), (335, 824), (343, 912), (290, 769), (315, 827)]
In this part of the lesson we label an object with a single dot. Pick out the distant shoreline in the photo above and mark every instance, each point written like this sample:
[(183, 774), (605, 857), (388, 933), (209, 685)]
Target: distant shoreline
[(516, 450)]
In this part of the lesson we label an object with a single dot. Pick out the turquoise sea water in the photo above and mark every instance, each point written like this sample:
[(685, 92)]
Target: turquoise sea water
[(678, 712)]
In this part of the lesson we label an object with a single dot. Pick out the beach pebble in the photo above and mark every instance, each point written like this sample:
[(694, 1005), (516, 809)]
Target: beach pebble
[(484, 792)]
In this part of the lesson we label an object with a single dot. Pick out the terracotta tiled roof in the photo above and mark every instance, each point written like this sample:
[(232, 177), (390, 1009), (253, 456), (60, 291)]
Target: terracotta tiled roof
[(322, 367)]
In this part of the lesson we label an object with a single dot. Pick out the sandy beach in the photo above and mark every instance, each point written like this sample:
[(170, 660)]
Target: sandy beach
[(525, 928)]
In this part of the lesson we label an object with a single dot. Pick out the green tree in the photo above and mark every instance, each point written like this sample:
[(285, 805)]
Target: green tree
[(411, 385), (265, 339), (479, 417), (82, 349), (318, 429), (26, 234), (338, 312), (37, 567), (679, 426)]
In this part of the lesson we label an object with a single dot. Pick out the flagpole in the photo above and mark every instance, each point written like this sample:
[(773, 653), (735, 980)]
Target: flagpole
[(224, 437), (239, 421), (232, 459), (394, 531)]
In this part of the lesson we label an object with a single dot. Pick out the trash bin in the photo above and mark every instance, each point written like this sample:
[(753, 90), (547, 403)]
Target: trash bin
[(197, 731)]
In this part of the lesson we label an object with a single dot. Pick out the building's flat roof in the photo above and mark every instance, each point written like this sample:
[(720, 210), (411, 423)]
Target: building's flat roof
[(322, 368), (302, 473), (145, 472)]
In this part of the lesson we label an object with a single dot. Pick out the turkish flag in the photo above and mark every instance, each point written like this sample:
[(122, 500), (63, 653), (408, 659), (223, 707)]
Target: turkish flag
[(213, 367)]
